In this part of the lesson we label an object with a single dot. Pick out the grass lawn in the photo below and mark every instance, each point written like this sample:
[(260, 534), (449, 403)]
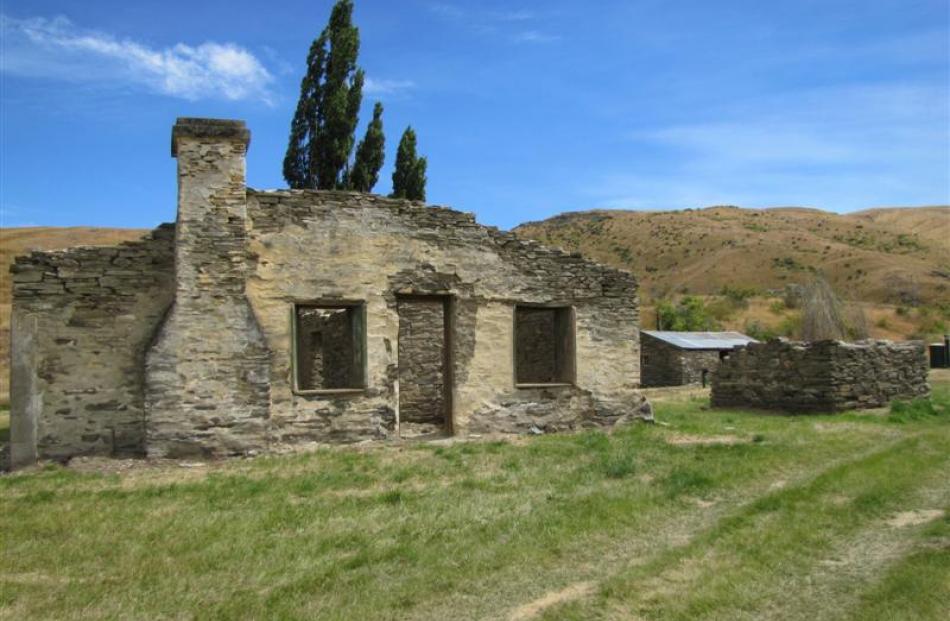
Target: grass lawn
[(711, 514)]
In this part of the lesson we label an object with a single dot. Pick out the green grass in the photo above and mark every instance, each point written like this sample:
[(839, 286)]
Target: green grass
[(796, 518)]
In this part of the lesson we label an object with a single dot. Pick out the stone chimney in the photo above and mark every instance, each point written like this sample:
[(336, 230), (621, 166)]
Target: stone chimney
[(207, 373), (212, 207)]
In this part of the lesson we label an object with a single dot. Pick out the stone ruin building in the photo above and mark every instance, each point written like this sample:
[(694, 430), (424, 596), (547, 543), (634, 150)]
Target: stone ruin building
[(268, 318), (823, 376), (681, 358)]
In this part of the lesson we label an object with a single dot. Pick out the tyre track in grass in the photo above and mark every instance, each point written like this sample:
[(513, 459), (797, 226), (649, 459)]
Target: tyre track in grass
[(765, 560)]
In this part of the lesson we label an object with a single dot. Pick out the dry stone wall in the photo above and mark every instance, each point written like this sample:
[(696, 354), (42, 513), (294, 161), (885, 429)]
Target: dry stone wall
[(825, 376), (82, 321)]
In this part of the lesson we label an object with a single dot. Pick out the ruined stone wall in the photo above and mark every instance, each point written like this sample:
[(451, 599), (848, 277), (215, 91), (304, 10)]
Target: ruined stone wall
[(666, 365), (825, 376), (82, 321), (184, 346), (309, 245)]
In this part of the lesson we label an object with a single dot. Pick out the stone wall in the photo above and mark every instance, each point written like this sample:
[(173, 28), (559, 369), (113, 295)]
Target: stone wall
[(666, 365), (825, 376), (82, 321)]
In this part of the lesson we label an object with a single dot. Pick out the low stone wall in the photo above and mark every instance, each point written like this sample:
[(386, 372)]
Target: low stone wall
[(826, 376)]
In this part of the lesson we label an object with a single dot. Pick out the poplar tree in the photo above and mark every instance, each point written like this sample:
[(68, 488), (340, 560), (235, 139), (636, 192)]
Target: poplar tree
[(369, 154), (324, 124), (409, 177)]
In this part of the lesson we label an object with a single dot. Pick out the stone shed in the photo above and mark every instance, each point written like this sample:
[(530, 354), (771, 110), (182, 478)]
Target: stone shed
[(824, 376), (681, 358), (267, 318)]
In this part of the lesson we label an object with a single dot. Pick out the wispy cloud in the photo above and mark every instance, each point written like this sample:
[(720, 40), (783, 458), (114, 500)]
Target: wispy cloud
[(496, 22), (57, 48), (387, 87), (534, 36), (838, 148), (515, 16)]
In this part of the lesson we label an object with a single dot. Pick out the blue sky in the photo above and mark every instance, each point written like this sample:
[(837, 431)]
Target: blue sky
[(524, 109)]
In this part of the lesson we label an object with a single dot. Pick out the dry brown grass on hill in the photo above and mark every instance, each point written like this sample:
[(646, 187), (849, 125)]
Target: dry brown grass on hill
[(880, 255)]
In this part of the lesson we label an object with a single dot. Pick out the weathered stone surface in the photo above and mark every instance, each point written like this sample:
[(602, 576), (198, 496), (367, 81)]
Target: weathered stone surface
[(182, 343), (825, 376)]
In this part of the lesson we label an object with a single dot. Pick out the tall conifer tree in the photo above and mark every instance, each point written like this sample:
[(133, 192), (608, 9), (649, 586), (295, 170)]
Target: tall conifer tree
[(369, 155), (324, 124), (409, 177)]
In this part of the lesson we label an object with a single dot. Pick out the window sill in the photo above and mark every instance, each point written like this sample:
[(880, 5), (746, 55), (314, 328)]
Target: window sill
[(550, 385), (330, 392)]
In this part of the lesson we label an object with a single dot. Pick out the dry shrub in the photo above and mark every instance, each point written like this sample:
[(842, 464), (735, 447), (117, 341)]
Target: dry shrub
[(857, 322), (823, 314)]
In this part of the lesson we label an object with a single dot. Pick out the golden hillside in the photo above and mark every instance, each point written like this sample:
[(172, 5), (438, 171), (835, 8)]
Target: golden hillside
[(882, 255)]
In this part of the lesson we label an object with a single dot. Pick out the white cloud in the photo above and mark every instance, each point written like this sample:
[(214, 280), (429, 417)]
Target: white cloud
[(386, 87), (56, 48)]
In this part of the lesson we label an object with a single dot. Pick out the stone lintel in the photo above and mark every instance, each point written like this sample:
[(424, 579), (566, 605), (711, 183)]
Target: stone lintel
[(213, 129)]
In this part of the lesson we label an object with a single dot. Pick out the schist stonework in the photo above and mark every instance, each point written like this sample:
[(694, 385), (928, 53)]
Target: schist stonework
[(269, 318)]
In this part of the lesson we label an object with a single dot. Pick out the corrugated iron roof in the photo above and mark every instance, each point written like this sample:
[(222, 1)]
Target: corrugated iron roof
[(702, 340)]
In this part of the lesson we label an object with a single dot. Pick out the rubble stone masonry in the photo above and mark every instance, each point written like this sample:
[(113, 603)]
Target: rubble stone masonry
[(826, 376)]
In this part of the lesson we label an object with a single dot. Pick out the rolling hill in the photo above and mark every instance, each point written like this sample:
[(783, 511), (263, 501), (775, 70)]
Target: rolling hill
[(891, 255)]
